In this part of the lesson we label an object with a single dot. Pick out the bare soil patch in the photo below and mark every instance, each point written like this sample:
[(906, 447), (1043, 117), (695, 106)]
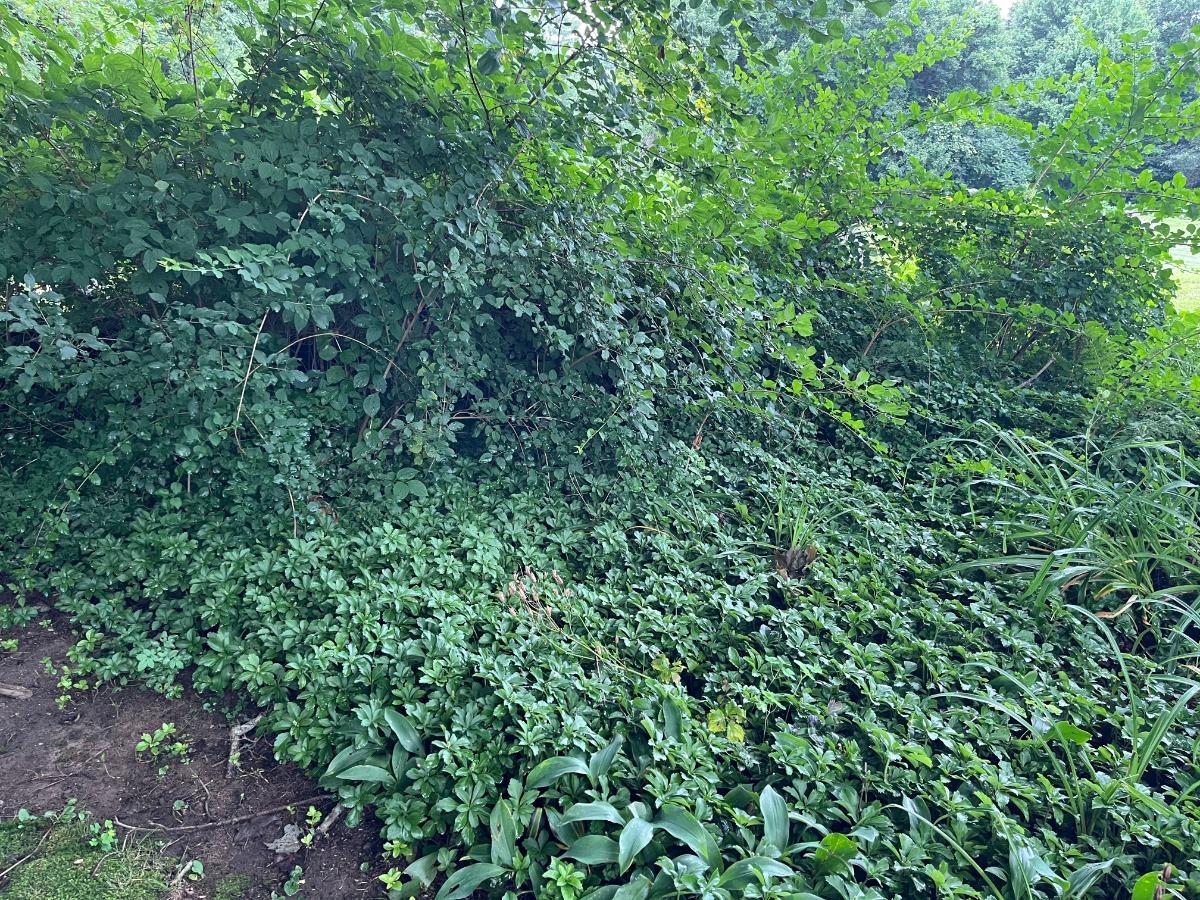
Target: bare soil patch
[(87, 752)]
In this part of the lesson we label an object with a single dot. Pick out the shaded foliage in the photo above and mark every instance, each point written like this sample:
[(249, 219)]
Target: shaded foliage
[(568, 436)]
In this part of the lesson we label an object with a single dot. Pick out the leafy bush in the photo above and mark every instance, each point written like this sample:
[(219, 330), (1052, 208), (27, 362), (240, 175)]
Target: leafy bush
[(494, 416)]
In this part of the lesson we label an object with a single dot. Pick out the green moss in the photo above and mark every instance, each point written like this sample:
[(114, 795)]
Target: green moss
[(233, 887), (67, 867), (16, 840)]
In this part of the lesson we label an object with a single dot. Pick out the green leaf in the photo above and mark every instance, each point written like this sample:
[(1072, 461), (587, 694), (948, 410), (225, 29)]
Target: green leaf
[(879, 7), (424, 869), (637, 889), (601, 761), (1081, 880), (672, 719), (402, 726), (488, 63), (753, 868), (776, 828), (1026, 867), (634, 837), (1147, 886), (464, 881), (549, 771), (592, 812), (683, 826), (371, 405), (1068, 732), (834, 853), (918, 818), (503, 830), (399, 763), (593, 850), (366, 773), (345, 758)]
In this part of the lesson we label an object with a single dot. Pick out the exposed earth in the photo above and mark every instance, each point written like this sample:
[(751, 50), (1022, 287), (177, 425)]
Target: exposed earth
[(86, 751)]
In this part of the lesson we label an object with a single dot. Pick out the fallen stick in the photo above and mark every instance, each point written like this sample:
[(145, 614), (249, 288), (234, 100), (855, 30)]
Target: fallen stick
[(236, 734), (15, 691), (334, 815), (204, 826), (176, 889)]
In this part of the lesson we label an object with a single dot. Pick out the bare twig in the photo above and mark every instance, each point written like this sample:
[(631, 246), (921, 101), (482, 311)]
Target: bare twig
[(1117, 613), (105, 857), (334, 815), (175, 890), (1036, 375), (246, 381), (487, 116), (204, 826)]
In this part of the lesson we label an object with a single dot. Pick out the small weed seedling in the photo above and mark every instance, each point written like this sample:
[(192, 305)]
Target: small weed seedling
[(160, 748), (103, 837), (291, 887), (68, 680)]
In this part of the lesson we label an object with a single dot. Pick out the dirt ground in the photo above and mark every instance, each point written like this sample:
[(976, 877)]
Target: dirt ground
[(87, 752)]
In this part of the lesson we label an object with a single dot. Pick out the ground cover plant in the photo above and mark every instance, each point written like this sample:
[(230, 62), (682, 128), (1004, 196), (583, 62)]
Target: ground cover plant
[(609, 462)]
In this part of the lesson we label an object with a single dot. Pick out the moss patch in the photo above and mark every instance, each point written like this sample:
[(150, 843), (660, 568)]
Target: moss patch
[(233, 887), (66, 867), (15, 841)]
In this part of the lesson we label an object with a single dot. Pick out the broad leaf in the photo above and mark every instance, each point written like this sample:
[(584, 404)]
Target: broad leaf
[(366, 773), (637, 889), (593, 850), (753, 869), (503, 830), (592, 812), (549, 771), (776, 828), (601, 761), (1146, 887), (464, 881), (834, 853), (634, 837), (683, 826), (1081, 880), (405, 731)]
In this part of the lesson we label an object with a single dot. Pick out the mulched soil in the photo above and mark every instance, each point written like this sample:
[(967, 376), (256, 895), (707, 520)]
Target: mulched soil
[(86, 752)]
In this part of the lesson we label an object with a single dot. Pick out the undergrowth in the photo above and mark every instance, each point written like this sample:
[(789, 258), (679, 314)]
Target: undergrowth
[(926, 714), (599, 470)]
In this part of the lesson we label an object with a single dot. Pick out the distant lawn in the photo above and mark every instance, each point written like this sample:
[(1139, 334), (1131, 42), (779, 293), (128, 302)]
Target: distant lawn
[(1187, 274), (1187, 297)]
